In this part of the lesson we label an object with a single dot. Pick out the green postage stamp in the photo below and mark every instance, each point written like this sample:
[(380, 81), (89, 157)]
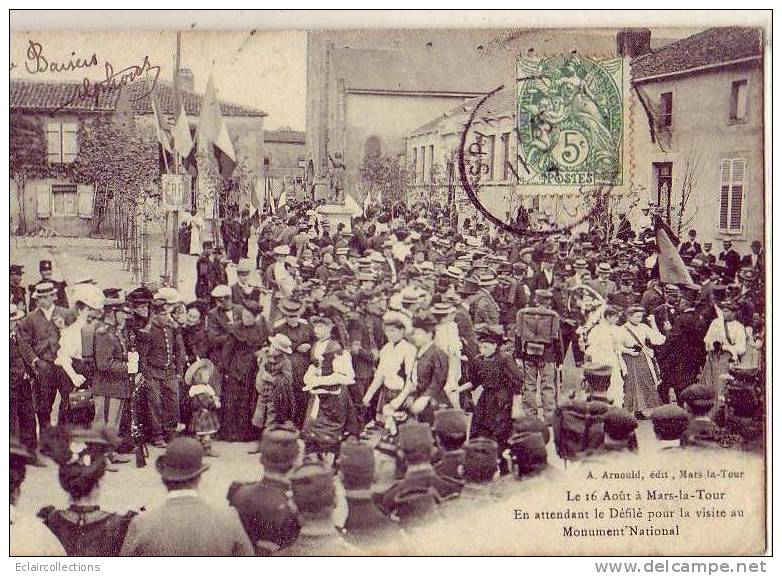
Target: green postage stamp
[(570, 120)]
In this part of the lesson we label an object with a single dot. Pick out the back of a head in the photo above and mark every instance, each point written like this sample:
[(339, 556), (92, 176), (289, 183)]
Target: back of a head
[(280, 448), (480, 460), (416, 443), (314, 492), (450, 427), (357, 465)]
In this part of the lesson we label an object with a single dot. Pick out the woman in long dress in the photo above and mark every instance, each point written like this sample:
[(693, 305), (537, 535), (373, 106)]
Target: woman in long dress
[(726, 342), (605, 345), (196, 226), (641, 376)]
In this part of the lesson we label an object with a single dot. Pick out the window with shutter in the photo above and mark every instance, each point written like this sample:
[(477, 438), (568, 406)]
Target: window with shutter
[(53, 141), (732, 187), (62, 140), (70, 141), (64, 202), (43, 200), (86, 200)]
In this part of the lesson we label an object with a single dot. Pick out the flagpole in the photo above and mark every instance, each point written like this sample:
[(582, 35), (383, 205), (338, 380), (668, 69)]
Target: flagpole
[(175, 226)]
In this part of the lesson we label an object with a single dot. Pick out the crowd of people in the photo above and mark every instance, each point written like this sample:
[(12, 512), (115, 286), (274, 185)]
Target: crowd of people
[(397, 335)]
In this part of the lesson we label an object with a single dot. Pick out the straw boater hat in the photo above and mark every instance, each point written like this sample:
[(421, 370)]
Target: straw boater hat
[(290, 308), (44, 289), (221, 291), (280, 342)]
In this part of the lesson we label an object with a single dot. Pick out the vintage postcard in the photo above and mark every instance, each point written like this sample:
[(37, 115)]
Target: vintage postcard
[(361, 288)]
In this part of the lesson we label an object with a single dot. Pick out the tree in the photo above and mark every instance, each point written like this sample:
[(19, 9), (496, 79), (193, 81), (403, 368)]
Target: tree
[(693, 169), (27, 151), (387, 176), (122, 163)]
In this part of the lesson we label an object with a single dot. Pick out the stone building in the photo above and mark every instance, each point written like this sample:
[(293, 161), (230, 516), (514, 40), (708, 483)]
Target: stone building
[(65, 207), (699, 133)]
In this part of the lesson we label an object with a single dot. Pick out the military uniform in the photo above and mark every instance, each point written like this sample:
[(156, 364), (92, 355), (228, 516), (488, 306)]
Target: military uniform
[(266, 512), (162, 361), (111, 381), (539, 352)]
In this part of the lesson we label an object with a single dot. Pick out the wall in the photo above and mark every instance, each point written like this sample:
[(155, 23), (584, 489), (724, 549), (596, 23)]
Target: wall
[(702, 132), (284, 157)]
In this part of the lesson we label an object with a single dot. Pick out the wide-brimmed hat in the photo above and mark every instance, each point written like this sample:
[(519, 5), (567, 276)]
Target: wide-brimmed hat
[(182, 461), (168, 294), (44, 289), (221, 291), (469, 286), (282, 250), (290, 307), (442, 309), (245, 266), (281, 342), (202, 364)]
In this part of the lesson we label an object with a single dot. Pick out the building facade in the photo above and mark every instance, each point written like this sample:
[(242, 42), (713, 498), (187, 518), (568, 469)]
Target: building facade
[(698, 137), (57, 203)]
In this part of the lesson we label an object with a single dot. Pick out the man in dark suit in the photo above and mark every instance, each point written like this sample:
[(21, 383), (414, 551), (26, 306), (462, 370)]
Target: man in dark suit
[(264, 507), (45, 267), (185, 525), (690, 248), (731, 259), (18, 292), (544, 278), (39, 341), (755, 259)]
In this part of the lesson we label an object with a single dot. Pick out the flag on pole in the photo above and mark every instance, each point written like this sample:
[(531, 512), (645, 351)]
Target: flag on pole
[(183, 141), (352, 205), (212, 132), (365, 207), (673, 270), (283, 199), (161, 125)]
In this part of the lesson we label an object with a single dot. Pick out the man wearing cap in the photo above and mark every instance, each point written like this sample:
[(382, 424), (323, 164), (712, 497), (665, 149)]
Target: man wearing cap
[(265, 507), (18, 292), (484, 308), (415, 446), (243, 292), (185, 525), (45, 268), (163, 355), (315, 497), (450, 429), (756, 259), (539, 346), (115, 366), (365, 526), (21, 400)]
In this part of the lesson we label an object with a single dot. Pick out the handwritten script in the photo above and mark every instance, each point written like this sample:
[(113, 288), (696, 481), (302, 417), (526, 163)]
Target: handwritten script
[(38, 63), (115, 80)]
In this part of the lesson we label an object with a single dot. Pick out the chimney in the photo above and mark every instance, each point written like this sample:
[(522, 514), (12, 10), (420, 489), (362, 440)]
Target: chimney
[(633, 42), (185, 79)]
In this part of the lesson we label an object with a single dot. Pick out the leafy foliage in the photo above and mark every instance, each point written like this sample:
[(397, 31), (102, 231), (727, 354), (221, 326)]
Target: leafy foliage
[(385, 175), (27, 156)]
